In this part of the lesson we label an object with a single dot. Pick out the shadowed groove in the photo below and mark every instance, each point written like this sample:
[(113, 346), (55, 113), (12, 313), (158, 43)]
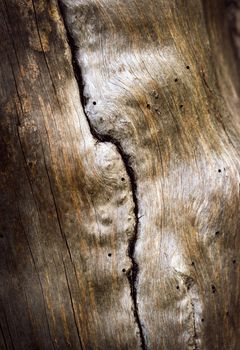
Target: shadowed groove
[(132, 273)]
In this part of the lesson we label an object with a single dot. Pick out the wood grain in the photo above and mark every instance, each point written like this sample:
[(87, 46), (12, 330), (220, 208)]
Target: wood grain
[(119, 175), (66, 214)]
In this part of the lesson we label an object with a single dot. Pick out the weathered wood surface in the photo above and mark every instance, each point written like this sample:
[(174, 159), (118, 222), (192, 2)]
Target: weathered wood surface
[(119, 160)]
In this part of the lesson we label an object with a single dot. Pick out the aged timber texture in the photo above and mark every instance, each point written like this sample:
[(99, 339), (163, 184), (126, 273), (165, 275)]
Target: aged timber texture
[(119, 175)]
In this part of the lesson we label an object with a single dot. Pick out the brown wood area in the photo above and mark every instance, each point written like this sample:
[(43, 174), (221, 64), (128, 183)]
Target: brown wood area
[(119, 174)]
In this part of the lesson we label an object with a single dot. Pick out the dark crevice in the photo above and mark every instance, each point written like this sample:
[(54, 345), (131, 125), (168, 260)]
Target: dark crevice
[(132, 274)]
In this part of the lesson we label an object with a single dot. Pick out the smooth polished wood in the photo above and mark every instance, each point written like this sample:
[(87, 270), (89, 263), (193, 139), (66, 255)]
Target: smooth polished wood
[(119, 160)]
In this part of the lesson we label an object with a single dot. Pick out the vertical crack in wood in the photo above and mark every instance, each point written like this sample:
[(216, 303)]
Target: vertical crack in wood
[(132, 273)]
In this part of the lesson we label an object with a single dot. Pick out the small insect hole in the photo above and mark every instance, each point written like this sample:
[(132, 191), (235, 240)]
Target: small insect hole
[(123, 270), (109, 254), (148, 106), (177, 287), (217, 233), (219, 170), (181, 106), (176, 79), (213, 289), (202, 319), (193, 263), (187, 67), (234, 261), (94, 103), (122, 179)]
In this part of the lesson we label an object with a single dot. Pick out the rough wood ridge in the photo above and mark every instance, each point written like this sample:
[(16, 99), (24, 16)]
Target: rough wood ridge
[(119, 164)]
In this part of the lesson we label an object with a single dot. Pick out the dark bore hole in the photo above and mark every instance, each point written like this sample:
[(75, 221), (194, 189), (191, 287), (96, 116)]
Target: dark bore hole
[(94, 103), (187, 67), (109, 254), (177, 287), (123, 270), (122, 179), (213, 289), (148, 106), (227, 313), (219, 170), (193, 263), (234, 261), (202, 319), (176, 79), (181, 106), (217, 233)]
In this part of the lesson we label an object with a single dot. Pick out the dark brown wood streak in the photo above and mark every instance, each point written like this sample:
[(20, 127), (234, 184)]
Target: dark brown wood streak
[(119, 165)]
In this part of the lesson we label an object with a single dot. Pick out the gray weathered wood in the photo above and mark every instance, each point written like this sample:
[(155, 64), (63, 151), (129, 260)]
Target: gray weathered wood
[(119, 160)]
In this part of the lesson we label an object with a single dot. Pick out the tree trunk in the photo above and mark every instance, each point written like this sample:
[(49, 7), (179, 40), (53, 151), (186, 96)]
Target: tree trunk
[(119, 161)]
